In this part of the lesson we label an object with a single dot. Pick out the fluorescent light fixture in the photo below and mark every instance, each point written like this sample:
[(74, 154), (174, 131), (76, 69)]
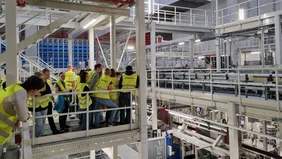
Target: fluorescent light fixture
[(90, 23), (181, 43), (241, 14), (197, 40), (130, 47), (201, 57), (254, 53)]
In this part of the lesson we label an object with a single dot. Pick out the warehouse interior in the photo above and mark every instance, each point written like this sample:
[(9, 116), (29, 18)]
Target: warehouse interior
[(210, 76)]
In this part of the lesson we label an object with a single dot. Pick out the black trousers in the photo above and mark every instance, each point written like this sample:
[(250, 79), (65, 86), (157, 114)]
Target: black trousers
[(124, 101), (51, 119), (63, 119)]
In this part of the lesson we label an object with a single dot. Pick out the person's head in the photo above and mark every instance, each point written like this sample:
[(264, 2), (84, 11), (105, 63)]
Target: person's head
[(98, 67), (107, 72), (118, 74), (74, 70), (39, 74), (83, 77), (88, 69), (46, 74), (70, 67), (129, 68), (62, 76), (33, 85), (113, 73)]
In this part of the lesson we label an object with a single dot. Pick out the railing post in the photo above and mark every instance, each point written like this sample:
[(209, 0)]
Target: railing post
[(158, 13), (175, 15), (87, 115), (33, 120), (206, 19), (191, 18)]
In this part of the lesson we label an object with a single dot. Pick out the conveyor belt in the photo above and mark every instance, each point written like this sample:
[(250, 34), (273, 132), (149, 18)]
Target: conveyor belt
[(265, 153)]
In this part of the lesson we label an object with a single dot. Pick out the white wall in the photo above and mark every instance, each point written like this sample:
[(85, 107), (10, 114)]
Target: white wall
[(32, 51)]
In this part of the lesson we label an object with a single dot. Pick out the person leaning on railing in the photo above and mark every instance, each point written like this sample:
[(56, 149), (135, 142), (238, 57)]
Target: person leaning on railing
[(13, 106), (128, 80), (41, 105), (103, 98), (82, 98), (63, 102)]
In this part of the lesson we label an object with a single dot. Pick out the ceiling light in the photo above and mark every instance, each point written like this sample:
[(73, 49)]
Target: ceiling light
[(254, 53), (130, 47), (241, 14), (197, 40), (90, 23), (181, 43)]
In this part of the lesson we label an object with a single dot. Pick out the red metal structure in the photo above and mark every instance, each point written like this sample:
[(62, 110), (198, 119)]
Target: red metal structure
[(121, 2)]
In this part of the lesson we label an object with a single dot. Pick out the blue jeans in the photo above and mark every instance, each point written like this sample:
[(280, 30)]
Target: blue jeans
[(99, 105), (40, 123), (83, 119)]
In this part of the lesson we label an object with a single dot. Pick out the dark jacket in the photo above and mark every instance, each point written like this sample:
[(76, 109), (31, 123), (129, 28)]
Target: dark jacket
[(129, 73)]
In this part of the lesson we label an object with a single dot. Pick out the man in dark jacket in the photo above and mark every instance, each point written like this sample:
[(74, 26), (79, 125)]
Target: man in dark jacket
[(128, 80)]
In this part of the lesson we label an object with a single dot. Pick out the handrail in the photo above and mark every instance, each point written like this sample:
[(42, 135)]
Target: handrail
[(87, 111)]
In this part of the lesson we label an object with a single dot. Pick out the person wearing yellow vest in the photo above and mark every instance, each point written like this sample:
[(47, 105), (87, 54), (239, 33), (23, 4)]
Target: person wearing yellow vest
[(82, 98), (113, 95), (41, 105), (70, 78), (3, 81), (13, 106), (93, 77), (62, 104), (103, 98), (128, 80), (48, 84)]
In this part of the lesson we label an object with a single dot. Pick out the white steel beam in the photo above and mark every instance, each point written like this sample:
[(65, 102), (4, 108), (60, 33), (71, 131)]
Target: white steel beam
[(41, 34), (218, 56), (191, 53), (113, 41), (91, 47), (264, 130), (77, 7), (118, 20), (278, 40), (70, 52), (153, 77), (233, 134), (11, 43), (262, 48), (141, 70)]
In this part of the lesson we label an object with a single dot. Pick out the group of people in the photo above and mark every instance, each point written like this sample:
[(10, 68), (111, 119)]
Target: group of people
[(102, 83)]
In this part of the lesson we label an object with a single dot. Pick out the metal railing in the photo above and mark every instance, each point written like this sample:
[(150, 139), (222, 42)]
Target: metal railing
[(88, 132), (177, 15), (258, 83), (247, 9)]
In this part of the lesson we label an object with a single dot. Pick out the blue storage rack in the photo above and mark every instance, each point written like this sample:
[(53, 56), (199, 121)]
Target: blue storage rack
[(55, 52)]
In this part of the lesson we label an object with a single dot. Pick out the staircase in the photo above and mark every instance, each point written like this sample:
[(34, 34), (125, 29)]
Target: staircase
[(35, 38)]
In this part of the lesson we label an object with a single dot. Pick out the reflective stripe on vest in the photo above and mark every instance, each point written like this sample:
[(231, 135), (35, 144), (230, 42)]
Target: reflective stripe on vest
[(50, 85), (69, 79), (82, 99), (129, 82), (91, 75), (114, 95), (7, 121), (40, 101), (102, 85)]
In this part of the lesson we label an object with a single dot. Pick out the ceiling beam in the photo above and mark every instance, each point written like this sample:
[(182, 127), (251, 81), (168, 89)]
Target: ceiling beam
[(77, 7)]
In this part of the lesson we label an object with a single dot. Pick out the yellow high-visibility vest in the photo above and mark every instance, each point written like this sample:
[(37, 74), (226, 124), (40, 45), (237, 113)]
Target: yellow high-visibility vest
[(7, 121), (114, 95), (39, 101), (91, 75), (82, 99), (69, 79), (50, 85), (129, 82), (102, 85), (3, 81)]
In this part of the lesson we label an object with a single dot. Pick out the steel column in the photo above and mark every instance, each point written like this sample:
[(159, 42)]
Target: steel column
[(91, 48), (263, 123), (233, 134), (115, 152), (70, 54), (93, 154), (11, 40), (153, 76), (141, 69), (218, 57), (113, 41), (191, 53), (278, 47), (262, 49)]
